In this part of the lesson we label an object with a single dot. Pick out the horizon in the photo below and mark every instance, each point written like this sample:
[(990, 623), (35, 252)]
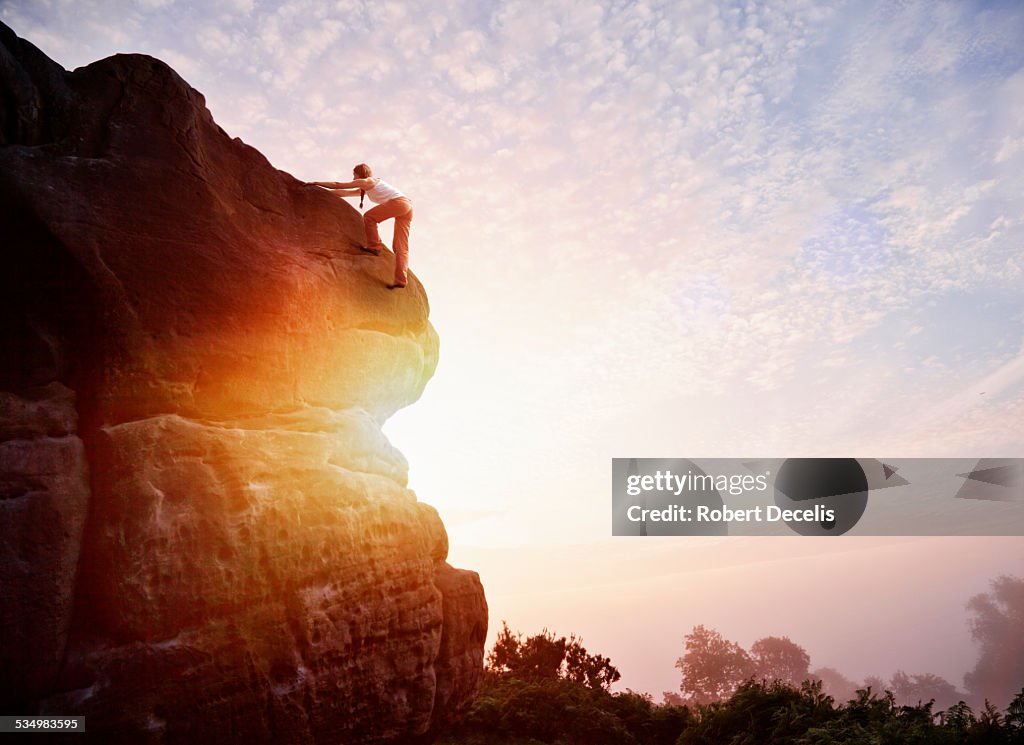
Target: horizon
[(647, 231)]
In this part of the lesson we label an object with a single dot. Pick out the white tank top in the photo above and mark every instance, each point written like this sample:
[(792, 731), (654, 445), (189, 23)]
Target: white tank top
[(383, 192)]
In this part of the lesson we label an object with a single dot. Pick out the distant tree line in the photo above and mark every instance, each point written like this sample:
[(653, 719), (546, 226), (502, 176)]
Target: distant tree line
[(548, 689), (714, 668)]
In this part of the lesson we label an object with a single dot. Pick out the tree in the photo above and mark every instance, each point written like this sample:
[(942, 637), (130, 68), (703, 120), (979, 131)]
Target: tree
[(837, 685), (593, 671), (778, 658), (540, 656), (989, 728), (712, 667), (875, 684), (546, 689), (545, 656), (998, 617), (1015, 713), (958, 718), (671, 698), (911, 690)]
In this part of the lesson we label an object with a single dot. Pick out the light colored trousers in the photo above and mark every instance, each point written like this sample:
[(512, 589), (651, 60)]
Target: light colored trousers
[(399, 208)]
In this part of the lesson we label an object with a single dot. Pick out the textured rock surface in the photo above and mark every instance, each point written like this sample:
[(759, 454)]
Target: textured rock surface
[(203, 531)]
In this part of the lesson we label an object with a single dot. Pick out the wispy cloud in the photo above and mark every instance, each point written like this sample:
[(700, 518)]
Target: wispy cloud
[(731, 197)]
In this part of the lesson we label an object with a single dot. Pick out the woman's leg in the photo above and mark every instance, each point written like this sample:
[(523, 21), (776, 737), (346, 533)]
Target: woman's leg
[(371, 218), (401, 243), (401, 210)]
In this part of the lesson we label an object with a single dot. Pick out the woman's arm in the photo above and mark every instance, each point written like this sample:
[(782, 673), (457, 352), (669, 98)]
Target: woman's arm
[(337, 188), (360, 183)]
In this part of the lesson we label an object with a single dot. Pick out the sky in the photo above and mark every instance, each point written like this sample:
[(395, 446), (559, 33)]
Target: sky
[(664, 229)]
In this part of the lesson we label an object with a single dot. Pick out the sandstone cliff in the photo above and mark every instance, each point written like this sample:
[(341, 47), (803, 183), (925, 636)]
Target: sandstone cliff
[(204, 535)]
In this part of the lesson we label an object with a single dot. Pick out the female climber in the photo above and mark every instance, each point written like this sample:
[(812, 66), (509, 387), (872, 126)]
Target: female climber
[(390, 203)]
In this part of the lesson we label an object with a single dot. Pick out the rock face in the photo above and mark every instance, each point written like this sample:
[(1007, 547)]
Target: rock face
[(204, 535)]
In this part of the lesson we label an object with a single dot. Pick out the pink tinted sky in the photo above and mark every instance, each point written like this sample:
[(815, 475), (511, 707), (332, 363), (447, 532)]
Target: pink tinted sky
[(664, 229)]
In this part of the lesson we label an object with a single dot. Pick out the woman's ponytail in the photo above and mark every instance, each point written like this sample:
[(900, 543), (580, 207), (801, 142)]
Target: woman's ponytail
[(362, 171)]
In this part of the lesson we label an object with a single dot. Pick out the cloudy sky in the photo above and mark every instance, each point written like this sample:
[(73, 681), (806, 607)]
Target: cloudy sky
[(663, 229)]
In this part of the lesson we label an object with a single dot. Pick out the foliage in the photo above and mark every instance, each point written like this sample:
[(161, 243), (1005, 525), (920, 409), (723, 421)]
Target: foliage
[(510, 709), (919, 689), (1015, 713), (713, 667), (671, 698), (838, 686), (778, 658), (996, 624), (544, 656), (760, 712), (549, 690)]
